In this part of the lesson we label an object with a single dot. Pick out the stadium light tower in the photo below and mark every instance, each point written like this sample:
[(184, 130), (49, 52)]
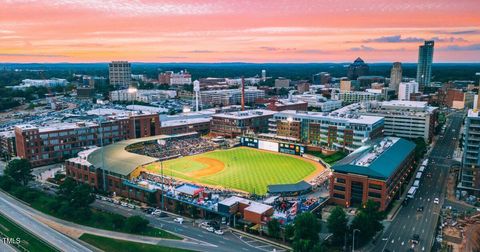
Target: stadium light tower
[(133, 92)]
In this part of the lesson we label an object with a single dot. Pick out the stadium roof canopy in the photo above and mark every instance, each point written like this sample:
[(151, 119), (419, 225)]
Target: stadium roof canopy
[(289, 188), (119, 161), (379, 160)]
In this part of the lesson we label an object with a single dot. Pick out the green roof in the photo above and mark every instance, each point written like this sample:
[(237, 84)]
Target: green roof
[(118, 160), (383, 166)]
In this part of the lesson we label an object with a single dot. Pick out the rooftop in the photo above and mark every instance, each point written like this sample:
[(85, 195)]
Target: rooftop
[(185, 121), (118, 160), (350, 118), (379, 160), (245, 114), (473, 113)]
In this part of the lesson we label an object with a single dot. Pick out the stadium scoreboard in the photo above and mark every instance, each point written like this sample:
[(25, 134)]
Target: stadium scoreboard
[(287, 148)]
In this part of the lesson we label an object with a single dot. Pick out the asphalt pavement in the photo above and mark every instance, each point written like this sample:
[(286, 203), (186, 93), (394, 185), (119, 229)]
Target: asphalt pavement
[(202, 240), (14, 211), (397, 237)]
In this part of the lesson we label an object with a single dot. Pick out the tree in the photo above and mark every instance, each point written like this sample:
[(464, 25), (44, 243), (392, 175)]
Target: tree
[(65, 190), (306, 232), (420, 147), (367, 221), (19, 170), (337, 224), (273, 227), (82, 196), (136, 224), (289, 231)]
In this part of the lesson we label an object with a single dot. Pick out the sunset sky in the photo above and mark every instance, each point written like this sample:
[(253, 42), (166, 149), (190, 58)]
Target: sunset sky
[(237, 30)]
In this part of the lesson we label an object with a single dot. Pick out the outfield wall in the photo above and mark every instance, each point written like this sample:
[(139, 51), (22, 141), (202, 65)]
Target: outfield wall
[(269, 145)]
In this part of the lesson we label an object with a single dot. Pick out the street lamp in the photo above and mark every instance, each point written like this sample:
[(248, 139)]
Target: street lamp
[(133, 91), (353, 242)]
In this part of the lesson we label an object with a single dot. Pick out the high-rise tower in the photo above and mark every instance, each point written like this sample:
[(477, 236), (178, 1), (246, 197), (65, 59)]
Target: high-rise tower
[(424, 67), (395, 76)]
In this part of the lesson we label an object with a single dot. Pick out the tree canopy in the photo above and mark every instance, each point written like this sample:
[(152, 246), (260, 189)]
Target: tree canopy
[(337, 224), (19, 170)]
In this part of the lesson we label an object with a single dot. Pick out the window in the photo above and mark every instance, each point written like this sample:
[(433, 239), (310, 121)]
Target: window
[(340, 180), (338, 196), (374, 195), (375, 186), (339, 188)]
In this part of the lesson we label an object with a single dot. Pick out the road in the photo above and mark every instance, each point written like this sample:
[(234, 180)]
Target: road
[(213, 242), (13, 210), (408, 221)]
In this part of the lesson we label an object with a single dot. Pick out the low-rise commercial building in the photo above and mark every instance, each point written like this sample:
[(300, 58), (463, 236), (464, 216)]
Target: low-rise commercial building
[(142, 95), (282, 83), (226, 97), (319, 101), (349, 97), (233, 124), (376, 172)]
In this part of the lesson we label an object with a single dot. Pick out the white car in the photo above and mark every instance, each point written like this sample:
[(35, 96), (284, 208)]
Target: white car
[(210, 229), (131, 206), (156, 212), (124, 204), (178, 220), (436, 201), (204, 225), (219, 232)]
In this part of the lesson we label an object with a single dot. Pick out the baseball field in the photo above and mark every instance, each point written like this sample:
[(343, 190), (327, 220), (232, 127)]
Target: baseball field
[(243, 169)]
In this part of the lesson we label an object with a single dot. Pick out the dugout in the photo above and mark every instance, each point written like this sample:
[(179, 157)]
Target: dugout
[(299, 188)]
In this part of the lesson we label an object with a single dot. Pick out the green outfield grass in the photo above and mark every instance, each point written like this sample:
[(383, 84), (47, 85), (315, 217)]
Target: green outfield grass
[(244, 169)]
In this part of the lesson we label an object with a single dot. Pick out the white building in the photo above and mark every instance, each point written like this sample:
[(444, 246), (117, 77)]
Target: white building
[(405, 89), (120, 73), (406, 119), (181, 78), (53, 82), (318, 101), (225, 97), (143, 95), (349, 97)]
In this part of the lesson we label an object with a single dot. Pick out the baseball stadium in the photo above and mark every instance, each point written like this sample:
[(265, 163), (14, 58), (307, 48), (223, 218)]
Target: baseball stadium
[(251, 167)]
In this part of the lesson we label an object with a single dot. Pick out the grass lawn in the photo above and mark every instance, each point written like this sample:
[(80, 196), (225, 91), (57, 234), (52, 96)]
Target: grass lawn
[(331, 159), (245, 169), (109, 244), (29, 242)]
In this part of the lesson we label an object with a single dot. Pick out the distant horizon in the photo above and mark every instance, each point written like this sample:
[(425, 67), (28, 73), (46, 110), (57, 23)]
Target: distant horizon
[(231, 62)]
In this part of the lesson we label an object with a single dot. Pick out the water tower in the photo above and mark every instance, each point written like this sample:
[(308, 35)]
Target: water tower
[(196, 93)]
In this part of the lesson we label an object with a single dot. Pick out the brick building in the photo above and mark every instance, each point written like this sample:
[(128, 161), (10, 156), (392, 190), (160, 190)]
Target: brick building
[(376, 172), (233, 124), (43, 145)]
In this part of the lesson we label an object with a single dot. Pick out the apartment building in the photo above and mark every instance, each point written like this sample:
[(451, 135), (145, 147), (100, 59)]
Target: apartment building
[(52, 143), (470, 174), (335, 130)]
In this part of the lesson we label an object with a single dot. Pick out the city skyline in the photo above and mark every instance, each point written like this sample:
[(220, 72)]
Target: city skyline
[(244, 31)]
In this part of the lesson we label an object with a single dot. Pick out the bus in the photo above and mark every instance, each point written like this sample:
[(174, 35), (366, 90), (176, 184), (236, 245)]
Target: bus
[(422, 168), (419, 175), (416, 183), (411, 192)]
